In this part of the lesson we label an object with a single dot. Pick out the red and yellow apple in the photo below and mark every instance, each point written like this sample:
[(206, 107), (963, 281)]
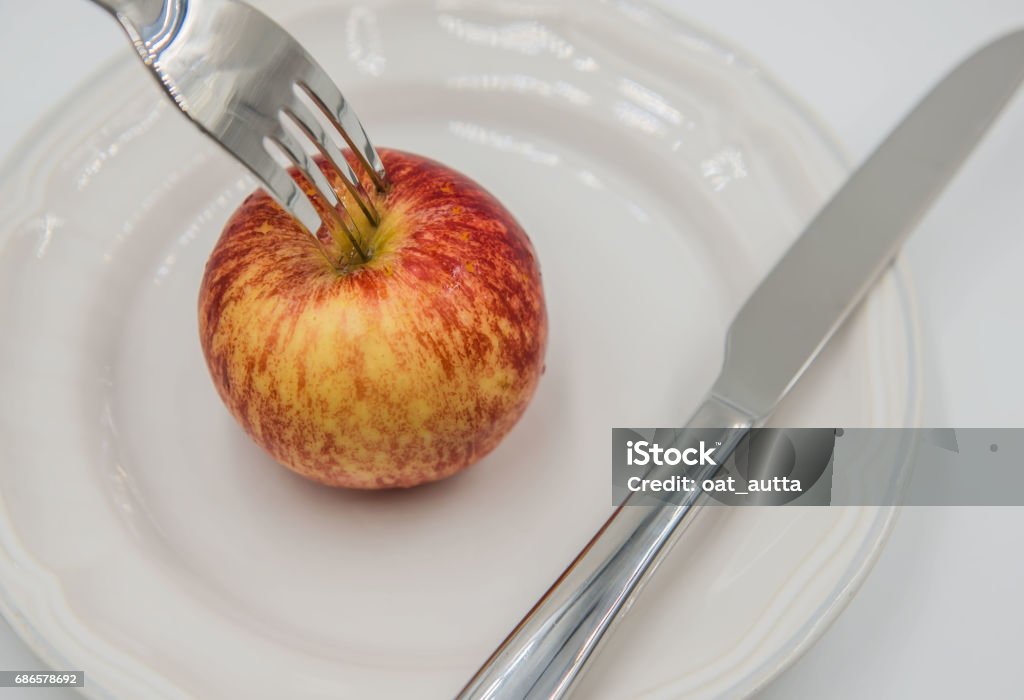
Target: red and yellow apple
[(398, 370)]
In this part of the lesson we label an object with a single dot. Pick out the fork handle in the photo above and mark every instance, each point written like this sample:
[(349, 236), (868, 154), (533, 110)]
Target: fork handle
[(548, 651), (138, 15)]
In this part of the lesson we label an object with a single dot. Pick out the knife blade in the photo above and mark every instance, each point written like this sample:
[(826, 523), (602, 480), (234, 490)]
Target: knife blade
[(776, 335), (810, 292)]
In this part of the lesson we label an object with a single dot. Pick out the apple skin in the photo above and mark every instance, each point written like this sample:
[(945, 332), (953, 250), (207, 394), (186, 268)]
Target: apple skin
[(403, 370)]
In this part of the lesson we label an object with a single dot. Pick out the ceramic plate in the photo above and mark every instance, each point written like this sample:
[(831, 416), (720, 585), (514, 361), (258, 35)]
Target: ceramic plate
[(145, 539)]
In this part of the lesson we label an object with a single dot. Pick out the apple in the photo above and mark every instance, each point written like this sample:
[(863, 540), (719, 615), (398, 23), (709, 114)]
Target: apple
[(395, 370)]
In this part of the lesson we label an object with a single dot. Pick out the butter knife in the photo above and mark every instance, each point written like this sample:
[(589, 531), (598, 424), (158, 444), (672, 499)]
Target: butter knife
[(777, 334)]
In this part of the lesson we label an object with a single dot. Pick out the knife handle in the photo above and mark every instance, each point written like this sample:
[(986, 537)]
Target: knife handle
[(548, 651)]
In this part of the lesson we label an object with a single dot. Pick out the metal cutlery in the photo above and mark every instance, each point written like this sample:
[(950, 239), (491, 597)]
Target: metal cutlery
[(777, 334), (250, 86)]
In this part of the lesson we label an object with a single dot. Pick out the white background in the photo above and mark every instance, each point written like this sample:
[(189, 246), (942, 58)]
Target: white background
[(941, 614)]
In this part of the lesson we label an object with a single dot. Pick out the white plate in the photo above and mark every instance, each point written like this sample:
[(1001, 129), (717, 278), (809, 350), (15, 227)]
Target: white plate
[(144, 539)]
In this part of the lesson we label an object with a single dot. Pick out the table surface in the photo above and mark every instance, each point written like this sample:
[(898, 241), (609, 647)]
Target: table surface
[(940, 615)]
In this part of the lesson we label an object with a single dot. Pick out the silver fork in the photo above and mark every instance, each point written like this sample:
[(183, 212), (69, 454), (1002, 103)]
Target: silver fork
[(250, 86)]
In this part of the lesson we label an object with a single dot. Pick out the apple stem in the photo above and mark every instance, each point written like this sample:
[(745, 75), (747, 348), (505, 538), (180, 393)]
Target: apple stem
[(350, 237), (363, 257)]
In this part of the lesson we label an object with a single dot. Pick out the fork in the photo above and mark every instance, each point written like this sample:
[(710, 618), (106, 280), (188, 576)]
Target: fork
[(252, 88)]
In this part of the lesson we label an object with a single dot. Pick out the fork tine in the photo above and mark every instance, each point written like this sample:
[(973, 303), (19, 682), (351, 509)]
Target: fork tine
[(309, 125), (301, 160), (326, 95), (285, 190), (322, 189)]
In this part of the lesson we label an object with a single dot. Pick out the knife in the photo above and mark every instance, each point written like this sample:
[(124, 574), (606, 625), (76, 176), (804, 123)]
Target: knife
[(777, 334)]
